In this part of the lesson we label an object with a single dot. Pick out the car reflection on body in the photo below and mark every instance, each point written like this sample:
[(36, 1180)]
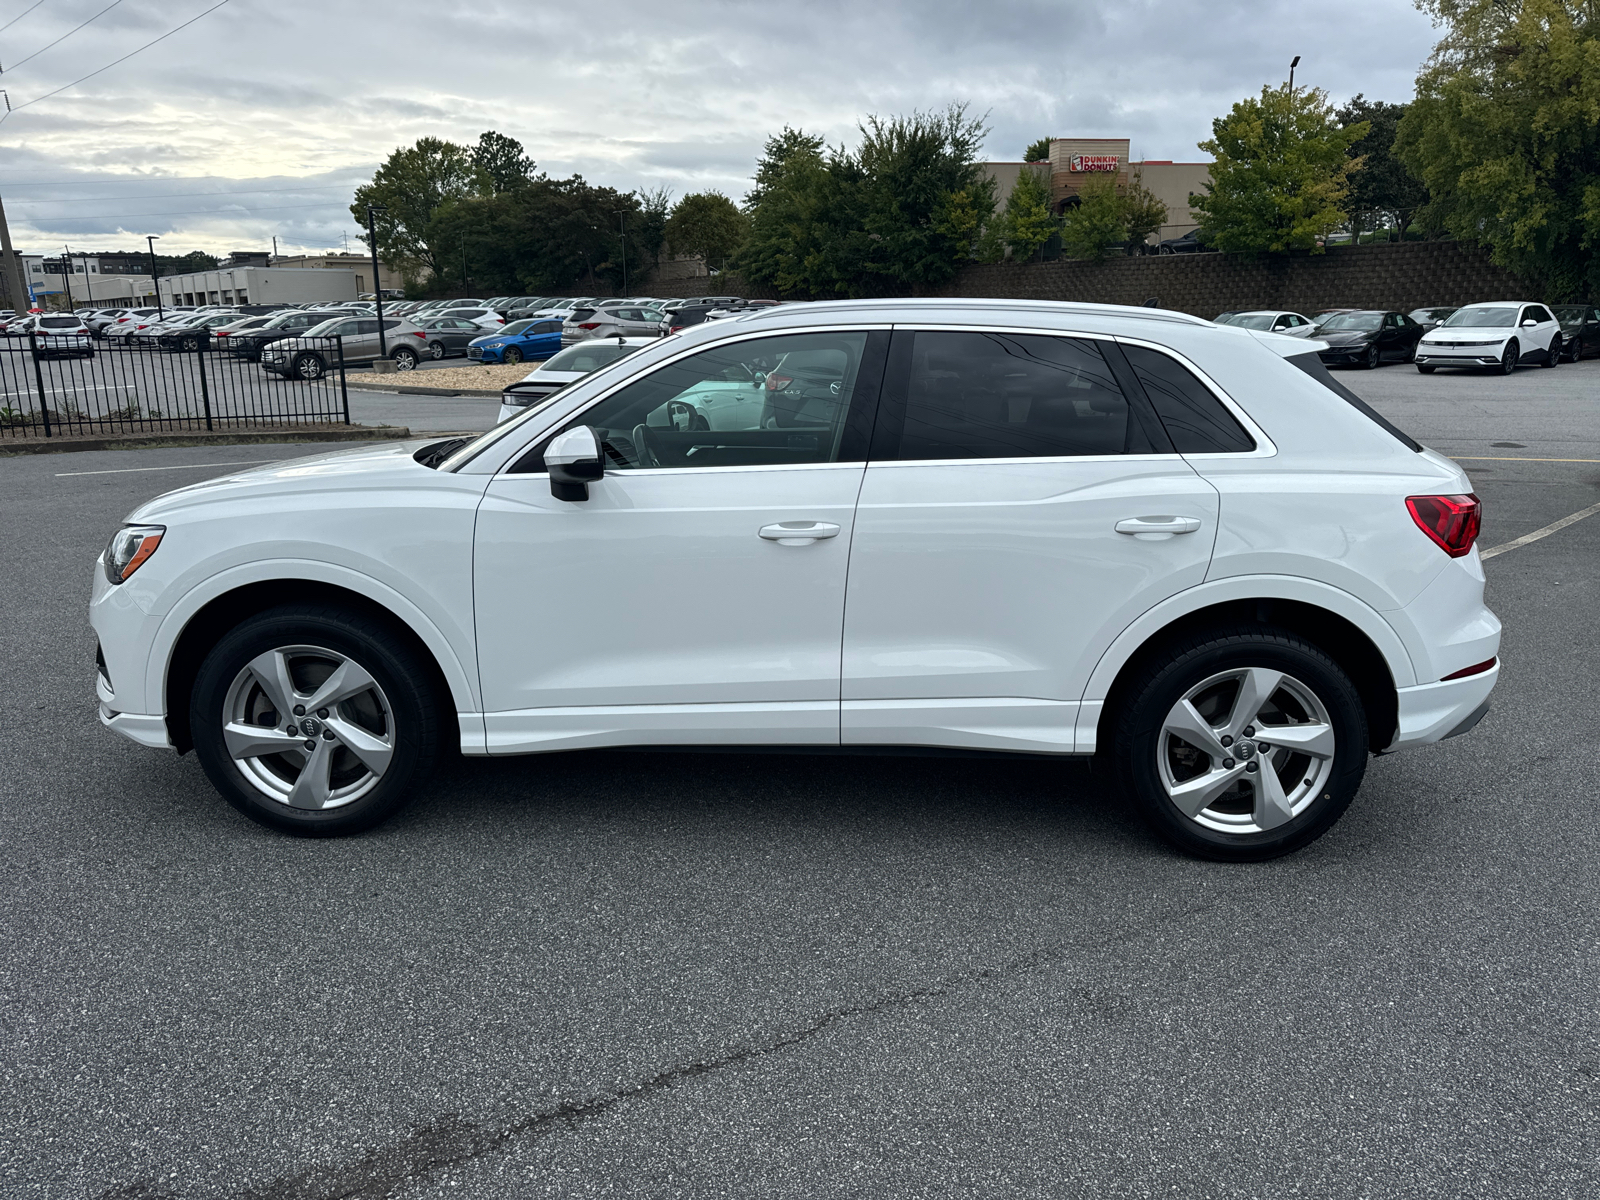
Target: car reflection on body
[(570, 365)]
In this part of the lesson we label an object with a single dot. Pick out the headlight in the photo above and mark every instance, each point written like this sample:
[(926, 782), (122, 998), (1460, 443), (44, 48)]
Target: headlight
[(494, 346), (129, 547)]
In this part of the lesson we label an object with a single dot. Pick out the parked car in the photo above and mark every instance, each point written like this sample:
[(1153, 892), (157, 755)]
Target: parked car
[(566, 367), (98, 320), (1270, 321), (308, 356), (519, 341), (1189, 243), (173, 323), (622, 320), (130, 326), (1266, 581), (248, 343), (195, 335), (1580, 330), (694, 313), (223, 333), (1498, 335), (1429, 317), (446, 337), (1367, 337), (486, 319), (57, 335)]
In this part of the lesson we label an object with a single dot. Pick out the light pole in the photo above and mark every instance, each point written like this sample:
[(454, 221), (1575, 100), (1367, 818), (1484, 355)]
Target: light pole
[(622, 223), (377, 280), (151, 242), (1295, 63)]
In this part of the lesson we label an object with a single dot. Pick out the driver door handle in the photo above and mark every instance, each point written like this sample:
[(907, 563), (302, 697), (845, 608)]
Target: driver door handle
[(1157, 529), (798, 533)]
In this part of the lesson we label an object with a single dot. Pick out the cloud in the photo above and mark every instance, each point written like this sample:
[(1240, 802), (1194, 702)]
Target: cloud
[(642, 95)]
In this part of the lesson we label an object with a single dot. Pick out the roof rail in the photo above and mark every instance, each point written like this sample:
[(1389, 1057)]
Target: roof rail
[(968, 302)]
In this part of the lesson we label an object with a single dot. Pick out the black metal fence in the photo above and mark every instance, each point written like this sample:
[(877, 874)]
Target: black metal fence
[(53, 386)]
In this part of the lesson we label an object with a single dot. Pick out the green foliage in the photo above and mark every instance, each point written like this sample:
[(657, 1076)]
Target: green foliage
[(413, 184), (1505, 133), (182, 264), (1037, 151), (500, 163), (1027, 223), (1142, 211), (1383, 191), (707, 224), (1279, 175), (1096, 224), (904, 208), (647, 229)]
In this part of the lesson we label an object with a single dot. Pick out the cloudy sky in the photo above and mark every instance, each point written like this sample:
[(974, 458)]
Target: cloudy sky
[(261, 117)]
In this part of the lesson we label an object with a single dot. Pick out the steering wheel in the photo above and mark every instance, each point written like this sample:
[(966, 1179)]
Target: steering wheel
[(642, 447)]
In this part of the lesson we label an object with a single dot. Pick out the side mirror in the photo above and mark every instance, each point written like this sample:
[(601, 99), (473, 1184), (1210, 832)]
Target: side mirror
[(574, 461), (1529, 321)]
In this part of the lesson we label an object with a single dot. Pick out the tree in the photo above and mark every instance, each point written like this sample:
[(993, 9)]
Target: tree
[(784, 208), (1027, 223), (792, 146), (412, 185), (707, 224), (500, 163), (1279, 175), (1143, 212), (1038, 151), (1505, 134), (647, 232), (1383, 189), (1097, 222)]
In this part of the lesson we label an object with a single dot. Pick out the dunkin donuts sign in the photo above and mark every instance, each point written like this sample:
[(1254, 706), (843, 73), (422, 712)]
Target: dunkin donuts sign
[(1093, 162)]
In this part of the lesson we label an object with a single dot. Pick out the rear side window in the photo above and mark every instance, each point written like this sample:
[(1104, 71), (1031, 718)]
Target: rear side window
[(1312, 366), (1195, 420), (1007, 395)]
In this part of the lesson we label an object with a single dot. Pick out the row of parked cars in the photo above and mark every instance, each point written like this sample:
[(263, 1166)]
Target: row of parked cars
[(1497, 335)]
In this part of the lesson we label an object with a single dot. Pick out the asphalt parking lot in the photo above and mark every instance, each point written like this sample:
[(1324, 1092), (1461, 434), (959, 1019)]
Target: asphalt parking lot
[(642, 974)]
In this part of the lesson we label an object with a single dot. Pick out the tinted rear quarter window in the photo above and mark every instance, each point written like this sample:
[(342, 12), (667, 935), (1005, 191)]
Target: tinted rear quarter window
[(1312, 365), (1195, 420)]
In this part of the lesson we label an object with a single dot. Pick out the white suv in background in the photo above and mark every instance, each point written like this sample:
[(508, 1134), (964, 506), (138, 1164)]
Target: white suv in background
[(988, 525), (1496, 335)]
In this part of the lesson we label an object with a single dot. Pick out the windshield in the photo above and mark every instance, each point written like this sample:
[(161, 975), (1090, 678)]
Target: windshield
[(1481, 318), (516, 327), (1248, 320), (1355, 320), (1569, 314), (586, 357)]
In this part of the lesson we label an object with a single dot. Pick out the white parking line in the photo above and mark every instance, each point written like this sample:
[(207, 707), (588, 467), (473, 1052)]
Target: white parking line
[(243, 462), (1529, 538)]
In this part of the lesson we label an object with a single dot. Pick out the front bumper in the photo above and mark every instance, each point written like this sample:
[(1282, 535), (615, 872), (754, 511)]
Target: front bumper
[(1344, 356), (486, 355)]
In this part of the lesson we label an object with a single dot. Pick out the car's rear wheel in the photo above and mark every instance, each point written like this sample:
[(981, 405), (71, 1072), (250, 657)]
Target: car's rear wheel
[(405, 358), (308, 366), (1241, 744), (513, 354), (313, 722), (1553, 355), (191, 344), (436, 350), (1508, 360)]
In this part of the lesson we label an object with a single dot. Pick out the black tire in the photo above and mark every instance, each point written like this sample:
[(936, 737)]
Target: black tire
[(1136, 739), (191, 344), (1553, 355), (405, 359), (436, 350), (413, 710), (309, 366), (1425, 370), (1508, 360), (513, 354), (1574, 354), (1370, 362)]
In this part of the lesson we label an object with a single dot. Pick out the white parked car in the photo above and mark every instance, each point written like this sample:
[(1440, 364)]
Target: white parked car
[(1496, 335), (1042, 528), (1290, 324)]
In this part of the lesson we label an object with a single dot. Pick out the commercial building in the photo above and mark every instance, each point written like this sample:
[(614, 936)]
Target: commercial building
[(258, 285), (1074, 161), (361, 264)]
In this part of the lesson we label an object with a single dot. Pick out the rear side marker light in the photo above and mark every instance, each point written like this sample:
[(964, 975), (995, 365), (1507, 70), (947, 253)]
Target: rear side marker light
[(1451, 522), (1474, 669)]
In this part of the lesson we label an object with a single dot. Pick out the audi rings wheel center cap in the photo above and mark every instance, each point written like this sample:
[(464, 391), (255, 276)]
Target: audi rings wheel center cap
[(311, 727), (1242, 749)]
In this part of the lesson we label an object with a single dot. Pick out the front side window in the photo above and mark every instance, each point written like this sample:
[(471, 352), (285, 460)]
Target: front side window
[(1010, 395), (1535, 313), (774, 401)]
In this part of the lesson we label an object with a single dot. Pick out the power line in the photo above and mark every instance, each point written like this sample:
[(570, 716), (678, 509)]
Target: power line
[(65, 35), (318, 187), (193, 212), (20, 15), (114, 62)]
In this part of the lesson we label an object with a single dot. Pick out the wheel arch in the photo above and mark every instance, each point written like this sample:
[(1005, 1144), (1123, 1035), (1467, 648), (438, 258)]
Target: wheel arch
[(213, 617), (1354, 636)]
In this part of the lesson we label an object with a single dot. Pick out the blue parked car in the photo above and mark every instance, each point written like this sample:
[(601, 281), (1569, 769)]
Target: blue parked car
[(517, 342)]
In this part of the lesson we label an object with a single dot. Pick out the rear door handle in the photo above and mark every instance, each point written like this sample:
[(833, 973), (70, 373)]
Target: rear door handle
[(1157, 529), (798, 533)]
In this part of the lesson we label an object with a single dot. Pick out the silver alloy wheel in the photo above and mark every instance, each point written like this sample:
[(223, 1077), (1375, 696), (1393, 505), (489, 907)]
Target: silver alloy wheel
[(308, 727), (436, 350), (1246, 750)]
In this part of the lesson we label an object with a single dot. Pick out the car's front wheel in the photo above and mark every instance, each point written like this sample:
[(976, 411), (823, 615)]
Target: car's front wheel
[(1241, 744), (1508, 360), (1553, 355), (513, 354), (1424, 369), (312, 721), (308, 366), (1371, 361)]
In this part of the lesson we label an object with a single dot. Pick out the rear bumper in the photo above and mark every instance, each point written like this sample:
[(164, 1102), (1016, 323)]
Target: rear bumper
[(1432, 712)]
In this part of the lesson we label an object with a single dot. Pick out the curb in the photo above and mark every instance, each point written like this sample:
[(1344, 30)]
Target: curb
[(408, 390), (70, 445)]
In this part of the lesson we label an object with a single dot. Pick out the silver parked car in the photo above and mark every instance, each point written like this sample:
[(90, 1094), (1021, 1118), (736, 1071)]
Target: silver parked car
[(622, 320), (311, 354)]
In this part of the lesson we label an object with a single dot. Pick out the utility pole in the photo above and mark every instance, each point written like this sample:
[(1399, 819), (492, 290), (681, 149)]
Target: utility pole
[(274, 249), (151, 242), (622, 222), (13, 266), (66, 277), (88, 286), (377, 280)]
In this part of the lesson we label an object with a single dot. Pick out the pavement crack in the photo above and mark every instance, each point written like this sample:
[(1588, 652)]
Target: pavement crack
[(452, 1141)]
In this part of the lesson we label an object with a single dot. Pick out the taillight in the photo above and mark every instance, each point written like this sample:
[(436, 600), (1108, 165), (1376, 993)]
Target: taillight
[(1450, 521), (417, 333), (776, 382), (589, 325), (1474, 669)]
